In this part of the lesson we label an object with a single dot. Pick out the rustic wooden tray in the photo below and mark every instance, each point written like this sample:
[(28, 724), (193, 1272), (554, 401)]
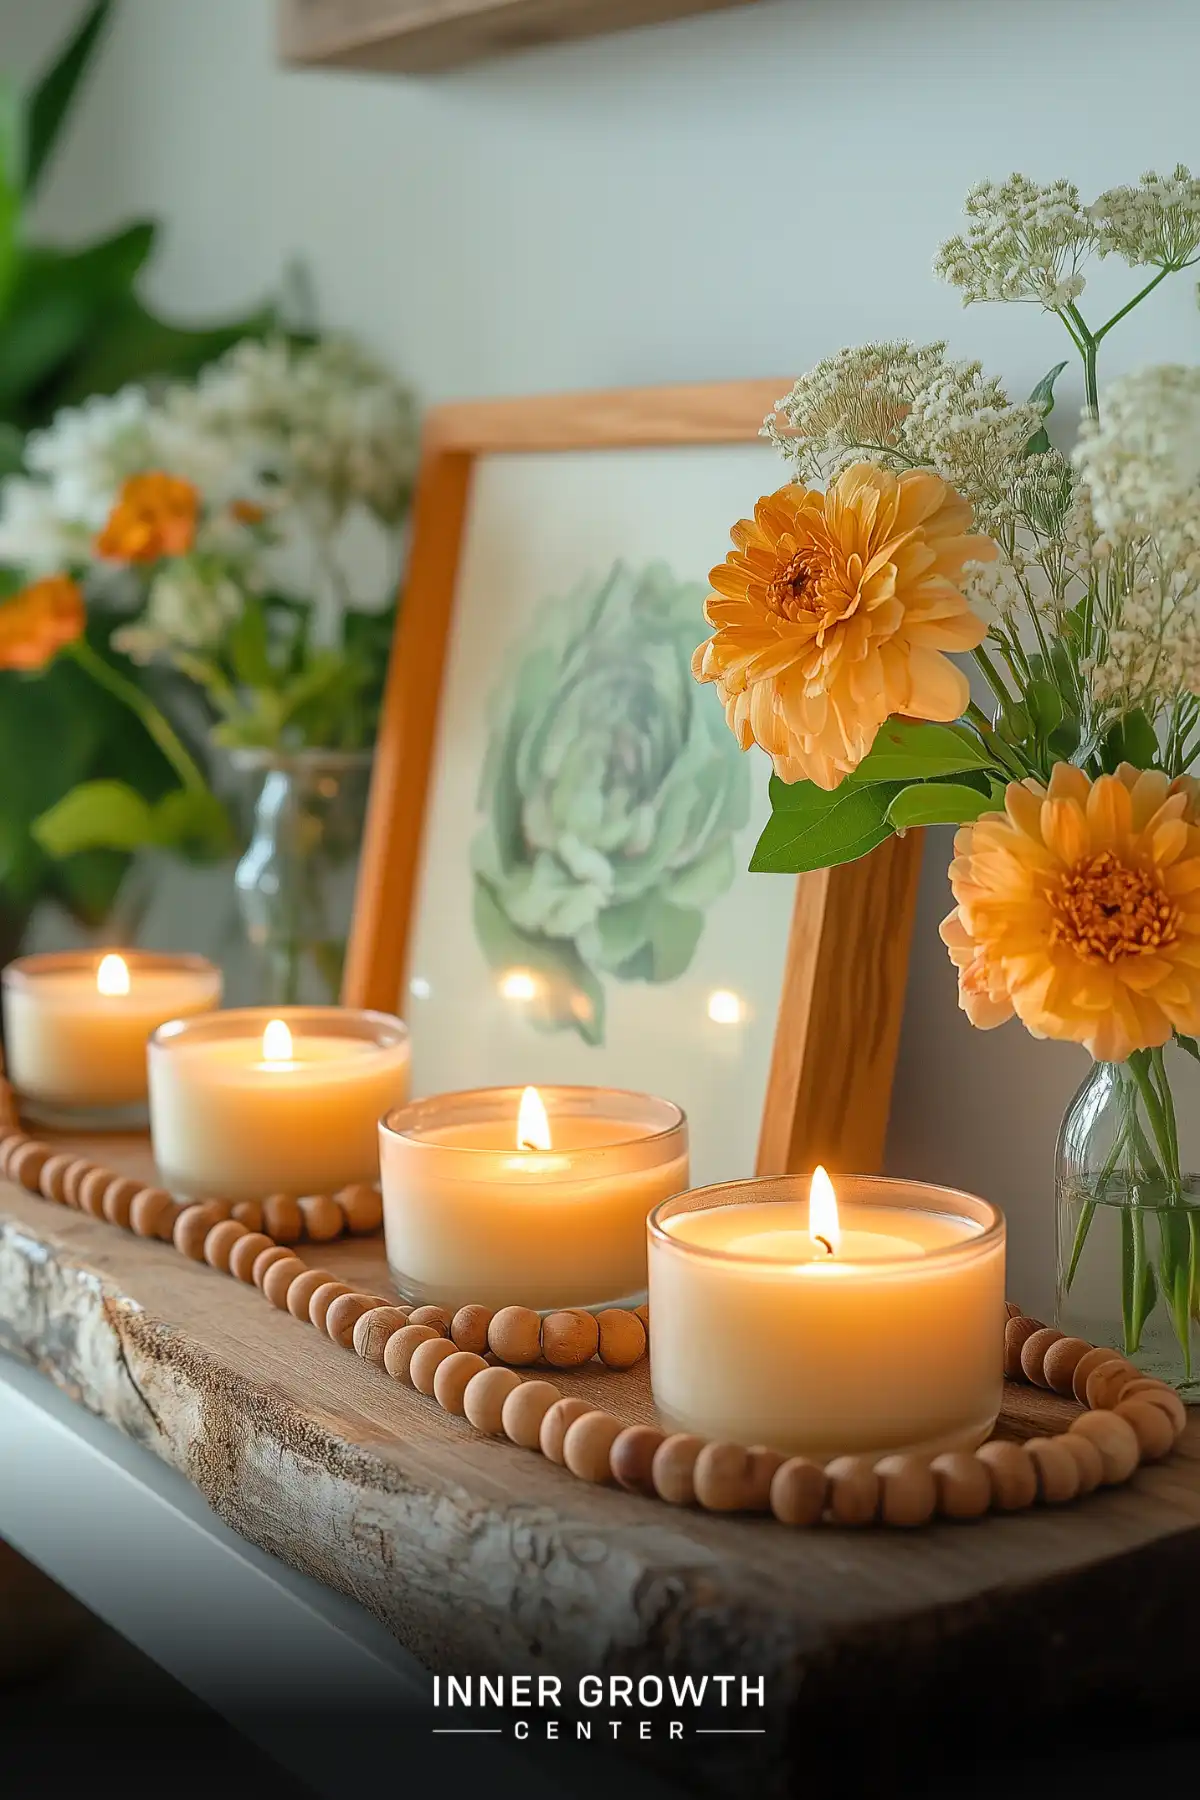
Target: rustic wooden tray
[(482, 1557)]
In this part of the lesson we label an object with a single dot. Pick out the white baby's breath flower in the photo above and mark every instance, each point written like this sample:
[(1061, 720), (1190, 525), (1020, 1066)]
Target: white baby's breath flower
[(190, 607), (88, 451), (1141, 464), (1153, 225), (34, 536), (1023, 242)]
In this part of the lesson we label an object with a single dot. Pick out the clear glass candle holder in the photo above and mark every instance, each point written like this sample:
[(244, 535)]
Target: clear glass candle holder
[(891, 1340), (237, 1114), (76, 1027), (471, 1216)]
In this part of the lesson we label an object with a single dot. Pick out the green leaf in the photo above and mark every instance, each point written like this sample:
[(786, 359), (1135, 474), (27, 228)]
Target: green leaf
[(96, 815), (10, 187), (194, 823), (1043, 398), (812, 829), (50, 100), (1189, 1044), (912, 749), (942, 803), (249, 646), (1130, 739)]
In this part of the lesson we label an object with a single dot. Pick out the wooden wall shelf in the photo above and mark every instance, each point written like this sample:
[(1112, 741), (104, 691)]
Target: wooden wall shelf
[(422, 36)]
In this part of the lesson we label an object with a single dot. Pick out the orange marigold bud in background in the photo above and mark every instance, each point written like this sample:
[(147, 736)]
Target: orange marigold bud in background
[(154, 516), (247, 512), (37, 622)]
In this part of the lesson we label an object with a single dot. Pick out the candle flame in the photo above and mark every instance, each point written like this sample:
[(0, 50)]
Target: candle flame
[(823, 1225), (533, 1127), (277, 1042), (112, 977)]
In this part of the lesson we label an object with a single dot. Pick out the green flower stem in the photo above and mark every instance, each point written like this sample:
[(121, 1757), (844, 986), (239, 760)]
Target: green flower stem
[(1000, 751), (156, 726), (1102, 333), (1088, 346), (992, 675)]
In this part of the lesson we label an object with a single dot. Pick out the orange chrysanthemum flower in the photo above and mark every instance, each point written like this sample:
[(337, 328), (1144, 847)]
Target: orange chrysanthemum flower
[(1079, 911), (37, 622), (155, 515), (833, 612)]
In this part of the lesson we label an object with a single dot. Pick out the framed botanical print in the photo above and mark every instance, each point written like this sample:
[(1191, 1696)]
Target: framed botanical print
[(554, 884)]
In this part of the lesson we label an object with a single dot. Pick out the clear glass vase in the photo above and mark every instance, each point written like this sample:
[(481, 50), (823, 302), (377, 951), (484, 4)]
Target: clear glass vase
[(295, 881), (1127, 1180)]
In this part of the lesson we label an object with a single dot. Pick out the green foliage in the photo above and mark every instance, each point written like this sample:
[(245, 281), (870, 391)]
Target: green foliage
[(1043, 398), (895, 786), (112, 815)]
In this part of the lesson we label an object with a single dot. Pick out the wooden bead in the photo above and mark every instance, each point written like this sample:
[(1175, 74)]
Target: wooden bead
[(362, 1208), (1033, 1354), (1057, 1470), (632, 1457), (730, 1478), (451, 1376), (469, 1328), (246, 1252), (643, 1313), (218, 1245), (266, 1259), (587, 1446), (426, 1360), (558, 1420), (1012, 1310), (398, 1351), (798, 1490), (373, 1330), (1015, 1333), (282, 1219), (1083, 1368), (10, 1143), (91, 1191), (1159, 1394), (569, 1339), (73, 1180), (1012, 1472), (119, 1195), (279, 1278), (853, 1490), (26, 1163), (148, 1209), (523, 1408), (323, 1219), (622, 1338), (344, 1315), (964, 1487), (434, 1316), (1106, 1381), (1087, 1461), (674, 1467), (322, 1299), (1115, 1439), (514, 1335), (487, 1399), (302, 1289), (907, 1490), (250, 1214), (51, 1179), (1061, 1361), (193, 1226), (1153, 1429)]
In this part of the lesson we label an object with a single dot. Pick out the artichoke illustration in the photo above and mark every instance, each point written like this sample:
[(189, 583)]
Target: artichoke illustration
[(612, 791)]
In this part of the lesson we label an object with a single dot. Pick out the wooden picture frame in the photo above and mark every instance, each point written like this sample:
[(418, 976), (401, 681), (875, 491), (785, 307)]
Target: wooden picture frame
[(424, 36), (838, 1025)]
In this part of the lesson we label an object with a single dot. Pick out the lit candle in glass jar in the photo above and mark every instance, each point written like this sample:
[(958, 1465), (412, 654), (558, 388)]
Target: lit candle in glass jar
[(76, 1026), (532, 1199), (821, 1324)]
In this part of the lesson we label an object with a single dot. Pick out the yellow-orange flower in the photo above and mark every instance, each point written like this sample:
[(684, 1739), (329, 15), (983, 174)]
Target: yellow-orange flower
[(833, 612), (37, 622), (154, 515), (1079, 911)]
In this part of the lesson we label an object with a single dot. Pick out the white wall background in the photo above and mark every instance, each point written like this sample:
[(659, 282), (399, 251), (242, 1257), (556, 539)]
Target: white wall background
[(734, 196)]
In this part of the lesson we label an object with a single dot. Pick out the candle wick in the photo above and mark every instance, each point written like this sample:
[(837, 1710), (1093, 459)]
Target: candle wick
[(817, 1238), (527, 1144)]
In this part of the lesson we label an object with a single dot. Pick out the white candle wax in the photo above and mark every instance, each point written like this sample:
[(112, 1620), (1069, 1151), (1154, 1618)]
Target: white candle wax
[(761, 1335), (76, 1027), (231, 1122), (471, 1216)]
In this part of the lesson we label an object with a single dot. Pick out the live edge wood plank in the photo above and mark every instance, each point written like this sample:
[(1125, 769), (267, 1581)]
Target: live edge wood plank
[(423, 36), (480, 1557)]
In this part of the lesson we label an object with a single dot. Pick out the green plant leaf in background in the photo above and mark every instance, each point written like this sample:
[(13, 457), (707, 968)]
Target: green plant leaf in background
[(914, 750), (812, 829), (942, 803), (1043, 398), (49, 103), (112, 815)]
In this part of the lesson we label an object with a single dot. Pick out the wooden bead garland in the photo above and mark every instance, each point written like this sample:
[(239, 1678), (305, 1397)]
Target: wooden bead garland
[(1131, 1418)]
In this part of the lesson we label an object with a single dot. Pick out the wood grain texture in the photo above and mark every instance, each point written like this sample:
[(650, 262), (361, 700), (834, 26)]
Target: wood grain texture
[(830, 1082), (480, 1557), (842, 999), (424, 36)]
